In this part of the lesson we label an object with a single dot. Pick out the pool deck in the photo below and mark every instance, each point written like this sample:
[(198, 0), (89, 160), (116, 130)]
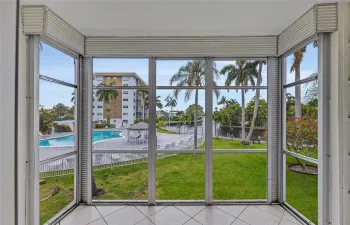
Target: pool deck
[(117, 144)]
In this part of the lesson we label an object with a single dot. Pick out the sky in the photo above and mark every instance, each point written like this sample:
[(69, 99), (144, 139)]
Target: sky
[(58, 65)]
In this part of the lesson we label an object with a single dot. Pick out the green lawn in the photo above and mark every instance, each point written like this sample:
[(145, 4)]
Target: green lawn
[(179, 177), (160, 130)]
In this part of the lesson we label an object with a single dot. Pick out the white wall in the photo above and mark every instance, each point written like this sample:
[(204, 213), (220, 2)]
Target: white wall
[(7, 119)]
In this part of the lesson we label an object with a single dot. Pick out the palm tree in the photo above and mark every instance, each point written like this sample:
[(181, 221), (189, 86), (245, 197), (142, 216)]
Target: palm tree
[(107, 95), (73, 97), (298, 58), (171, 102), (193, 74), (243, 74), (257, 96)]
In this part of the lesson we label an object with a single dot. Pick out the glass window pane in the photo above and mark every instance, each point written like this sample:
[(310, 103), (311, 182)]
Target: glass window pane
[(180, 73), (302, 63), (120, 72), (180, 177), (239, 176), (56, 64), (56, 147), (302, 189), (176, 128), (230, 73), (120, 119), (120, 176), (228, 120), (302, 122)]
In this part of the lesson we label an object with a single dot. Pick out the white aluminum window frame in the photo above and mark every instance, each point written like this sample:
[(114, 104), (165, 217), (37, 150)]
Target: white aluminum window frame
[(33, 65), (152, 152), (322, 162)]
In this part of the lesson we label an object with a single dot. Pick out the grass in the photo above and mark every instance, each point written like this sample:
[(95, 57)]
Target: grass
[(160, 130), (53, 205), (180, 177)]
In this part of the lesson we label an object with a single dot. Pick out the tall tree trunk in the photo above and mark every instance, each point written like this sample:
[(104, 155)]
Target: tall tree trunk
[(243, 116), (256, 105), (195, 119), (297, 93)]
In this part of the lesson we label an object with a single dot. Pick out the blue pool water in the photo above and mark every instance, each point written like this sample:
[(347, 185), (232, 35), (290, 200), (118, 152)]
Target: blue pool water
[(69, 139)]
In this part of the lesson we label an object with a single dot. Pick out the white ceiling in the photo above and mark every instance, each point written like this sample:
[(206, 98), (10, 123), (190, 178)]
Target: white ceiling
[(178, 17)]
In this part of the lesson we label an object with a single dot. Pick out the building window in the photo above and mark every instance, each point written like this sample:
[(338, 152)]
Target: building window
[(134, 114), (114, 78), (125, 85), (134, 107), (134, 100), (108, 78), (99, 114), (125, 114), (125, 92), (99, 106), (125, 99), (126, 78), (125, 106)]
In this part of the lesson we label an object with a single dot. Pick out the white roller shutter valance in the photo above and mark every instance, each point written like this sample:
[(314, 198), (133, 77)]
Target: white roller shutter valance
[(43, 21), (321, 18), (182, 46)]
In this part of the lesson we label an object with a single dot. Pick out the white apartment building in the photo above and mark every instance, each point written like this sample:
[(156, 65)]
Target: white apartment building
[(127, 107)]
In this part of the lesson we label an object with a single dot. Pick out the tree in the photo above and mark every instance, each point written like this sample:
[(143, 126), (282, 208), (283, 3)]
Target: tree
[(170, 102), (46, 119), (186, 118), (107, 95), (261, 116), (257, 96), (193, 74), (61, 109), (297, 59), (217, 119), (302, 137), (242, 73)]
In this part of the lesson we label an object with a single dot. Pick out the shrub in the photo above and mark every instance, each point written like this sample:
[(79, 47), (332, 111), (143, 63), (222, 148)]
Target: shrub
[(100, 126), (245, 142), (302, 135), (62, 128)]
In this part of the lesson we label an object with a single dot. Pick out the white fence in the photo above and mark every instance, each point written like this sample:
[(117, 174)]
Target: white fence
[(65, 164)]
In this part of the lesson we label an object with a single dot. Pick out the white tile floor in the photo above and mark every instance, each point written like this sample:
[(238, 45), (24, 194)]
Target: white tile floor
[(178, 215)]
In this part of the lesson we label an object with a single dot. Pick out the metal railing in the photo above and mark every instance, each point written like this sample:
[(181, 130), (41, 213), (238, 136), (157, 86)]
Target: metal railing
[(65, 164), (58, 166)]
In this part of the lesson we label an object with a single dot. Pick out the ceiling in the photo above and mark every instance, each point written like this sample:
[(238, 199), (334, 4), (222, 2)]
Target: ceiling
[(179, 17)]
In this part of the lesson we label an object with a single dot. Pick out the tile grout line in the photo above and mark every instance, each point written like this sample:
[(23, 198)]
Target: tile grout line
[(191, 217), (230, 213), (269, 212), (282, 217), (100, 215), (147, 216), (111, 212), (240, 214)]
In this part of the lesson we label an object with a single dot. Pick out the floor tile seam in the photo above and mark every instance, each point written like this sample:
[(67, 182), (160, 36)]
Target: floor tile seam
[(190, 215), (112, 212), (267, 211), (101, 215)]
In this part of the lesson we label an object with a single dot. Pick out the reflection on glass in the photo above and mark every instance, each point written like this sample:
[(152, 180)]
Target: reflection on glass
[(180, 177), (120, 119), (180, 121), (56, 147), (231, 119), (120, 176), (239, 176), (301, 189)]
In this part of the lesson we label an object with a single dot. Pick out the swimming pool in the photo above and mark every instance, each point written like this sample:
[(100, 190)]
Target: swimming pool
[(69, 139)]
